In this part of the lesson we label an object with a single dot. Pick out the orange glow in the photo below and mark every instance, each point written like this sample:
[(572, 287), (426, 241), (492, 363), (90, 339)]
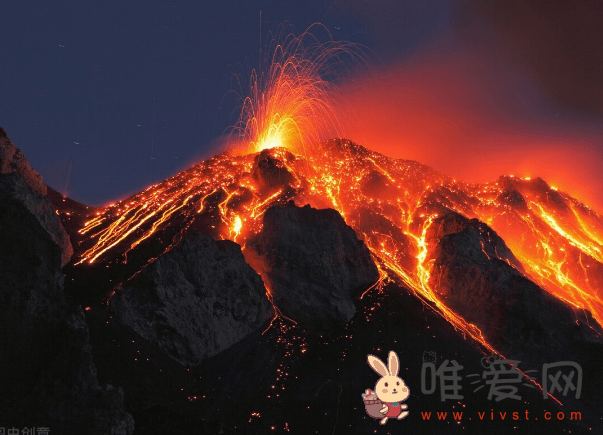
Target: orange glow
[(390, 203), (471, 117), (287, 102), (559, 245)]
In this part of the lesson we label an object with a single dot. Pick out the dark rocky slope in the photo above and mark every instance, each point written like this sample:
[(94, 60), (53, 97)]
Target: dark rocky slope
[(49, 379), (12, 161), (313, 264), (480, 278), (194, 301), (48, 376)]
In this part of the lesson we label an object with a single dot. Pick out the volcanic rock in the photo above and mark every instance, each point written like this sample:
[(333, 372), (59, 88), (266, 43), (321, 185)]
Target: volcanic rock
[(270, 172), (536, 188), (376, 185), (479, 278), (48, 373), (12, 160), (313, 264), (14, 186), (73, 214), (194, 301), (378, 229), (514, 199), (489, 243)]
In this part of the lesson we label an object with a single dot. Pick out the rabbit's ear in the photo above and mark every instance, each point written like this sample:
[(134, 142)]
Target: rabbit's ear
[(377, 365), (393, 363)]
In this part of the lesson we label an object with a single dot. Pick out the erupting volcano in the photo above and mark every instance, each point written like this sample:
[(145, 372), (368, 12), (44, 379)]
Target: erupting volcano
[(398, 208), (544, 247), (288, 100), (265, 274)]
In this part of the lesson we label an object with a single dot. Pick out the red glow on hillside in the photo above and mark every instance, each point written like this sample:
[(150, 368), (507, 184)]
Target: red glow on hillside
[(470, 118), (474, 119)]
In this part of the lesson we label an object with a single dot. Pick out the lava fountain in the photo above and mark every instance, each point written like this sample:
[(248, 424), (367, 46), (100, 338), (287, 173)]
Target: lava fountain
[(391, 204), (288, 100)]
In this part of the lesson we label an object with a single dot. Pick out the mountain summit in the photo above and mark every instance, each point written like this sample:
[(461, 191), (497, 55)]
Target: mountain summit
[(264, 279)]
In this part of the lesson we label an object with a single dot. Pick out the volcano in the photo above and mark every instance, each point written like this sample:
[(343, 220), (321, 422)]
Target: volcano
[(244, 294)]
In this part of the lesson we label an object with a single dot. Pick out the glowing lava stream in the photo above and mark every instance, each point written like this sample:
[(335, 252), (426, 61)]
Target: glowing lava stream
[(401, 197), (389, 203), (386, 201)]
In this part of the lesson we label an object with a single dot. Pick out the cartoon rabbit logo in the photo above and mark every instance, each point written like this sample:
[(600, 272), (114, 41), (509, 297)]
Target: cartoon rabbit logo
[(390, 391)]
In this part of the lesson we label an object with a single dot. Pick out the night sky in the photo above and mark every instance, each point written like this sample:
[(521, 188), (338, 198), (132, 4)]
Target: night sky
[(105, 98)]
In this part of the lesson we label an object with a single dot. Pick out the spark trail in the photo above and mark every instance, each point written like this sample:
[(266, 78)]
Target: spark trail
[(390, 203), (287, 101)]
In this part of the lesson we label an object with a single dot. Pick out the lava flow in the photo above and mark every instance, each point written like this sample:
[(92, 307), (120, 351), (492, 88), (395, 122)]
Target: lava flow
[(391, 204)]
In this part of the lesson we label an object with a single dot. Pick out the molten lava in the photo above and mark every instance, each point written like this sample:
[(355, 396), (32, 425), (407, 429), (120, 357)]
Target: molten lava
[(287, 101), (390, 203)]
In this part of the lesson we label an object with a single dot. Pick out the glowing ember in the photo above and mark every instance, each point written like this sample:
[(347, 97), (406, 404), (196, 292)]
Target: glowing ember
[(287, 102), (390, 203), (558, 240)]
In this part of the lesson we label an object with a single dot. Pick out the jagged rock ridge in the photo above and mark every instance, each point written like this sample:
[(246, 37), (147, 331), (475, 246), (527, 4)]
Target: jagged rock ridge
[(49, 376), (12, 161), (313, 263), (401, 198), (480, 279), (195, 301)]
